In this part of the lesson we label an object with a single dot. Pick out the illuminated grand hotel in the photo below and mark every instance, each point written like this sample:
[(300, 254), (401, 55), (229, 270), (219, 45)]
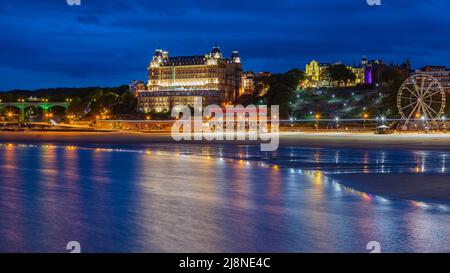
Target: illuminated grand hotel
[(181, 79)]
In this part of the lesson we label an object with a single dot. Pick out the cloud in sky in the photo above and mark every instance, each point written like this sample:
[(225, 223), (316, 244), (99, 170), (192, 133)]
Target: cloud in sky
[(47, 43)]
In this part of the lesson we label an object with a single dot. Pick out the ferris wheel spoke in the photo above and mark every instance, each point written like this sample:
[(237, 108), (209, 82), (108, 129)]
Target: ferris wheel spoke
[(416, 86), (409, 105), (430, 100), (429, 87), (430, 117), (412, 112), (432, 94), (427, 108), (422, 86), (412, 92)]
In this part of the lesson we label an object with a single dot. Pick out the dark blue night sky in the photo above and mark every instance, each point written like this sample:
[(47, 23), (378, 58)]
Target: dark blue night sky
[(47, 43)]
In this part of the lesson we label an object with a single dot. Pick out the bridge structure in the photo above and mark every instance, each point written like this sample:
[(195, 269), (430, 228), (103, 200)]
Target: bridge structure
[(45, 106)]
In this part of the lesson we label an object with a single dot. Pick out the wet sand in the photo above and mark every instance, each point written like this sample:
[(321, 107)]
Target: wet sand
[(408, 186)]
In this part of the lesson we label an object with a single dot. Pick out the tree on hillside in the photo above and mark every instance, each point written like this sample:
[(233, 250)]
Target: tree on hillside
[(340, 74), (281, 95), (282, 90), (126, 104), (298, 74), (103, 103), (96, 94), (391, 75), (76, 107), (392, 79)]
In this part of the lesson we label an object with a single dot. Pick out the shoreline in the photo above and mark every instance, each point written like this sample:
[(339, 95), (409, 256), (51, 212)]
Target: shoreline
[(428, 188), (361, 140)]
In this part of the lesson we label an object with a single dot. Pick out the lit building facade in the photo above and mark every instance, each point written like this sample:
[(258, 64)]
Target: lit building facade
[(367, 72), (441, 73), (374, 70), (179, 80), (315, 73), (359, 73), (312, 71), (248, 83), (136, 86)]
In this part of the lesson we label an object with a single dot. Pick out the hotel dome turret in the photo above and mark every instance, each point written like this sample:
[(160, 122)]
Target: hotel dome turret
[(215, 53)]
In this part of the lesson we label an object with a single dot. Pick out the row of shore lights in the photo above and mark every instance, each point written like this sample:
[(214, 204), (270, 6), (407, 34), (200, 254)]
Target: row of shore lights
[(366, 116), (19, 100), (23, 100), (43, 100), (317, 116), (48, 115)]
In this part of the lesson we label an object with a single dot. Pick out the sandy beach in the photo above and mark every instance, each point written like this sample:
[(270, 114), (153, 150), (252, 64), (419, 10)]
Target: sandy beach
[(310, 139)]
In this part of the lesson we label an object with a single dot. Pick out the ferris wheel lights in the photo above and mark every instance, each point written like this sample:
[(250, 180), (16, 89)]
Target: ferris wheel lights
[(423, 97)]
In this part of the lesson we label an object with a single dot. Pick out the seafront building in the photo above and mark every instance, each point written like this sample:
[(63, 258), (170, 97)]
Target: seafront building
[(180, 79), (441, 73)]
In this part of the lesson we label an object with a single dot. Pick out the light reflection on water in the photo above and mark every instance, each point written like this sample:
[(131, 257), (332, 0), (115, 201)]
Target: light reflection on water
[(210, 199)]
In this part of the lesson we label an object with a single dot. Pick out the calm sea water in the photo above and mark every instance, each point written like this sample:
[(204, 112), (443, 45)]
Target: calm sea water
[(197, 198)]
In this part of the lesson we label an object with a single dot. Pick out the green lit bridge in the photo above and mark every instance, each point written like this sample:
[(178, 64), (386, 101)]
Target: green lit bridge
[(45, 106)]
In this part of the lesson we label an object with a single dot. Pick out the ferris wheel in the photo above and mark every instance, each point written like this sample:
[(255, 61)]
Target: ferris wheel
[(421, 97)]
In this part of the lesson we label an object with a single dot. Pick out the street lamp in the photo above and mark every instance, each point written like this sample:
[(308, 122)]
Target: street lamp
[(422, 118), (317, 117), (365, 116), (291, 119), (444, 126)]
